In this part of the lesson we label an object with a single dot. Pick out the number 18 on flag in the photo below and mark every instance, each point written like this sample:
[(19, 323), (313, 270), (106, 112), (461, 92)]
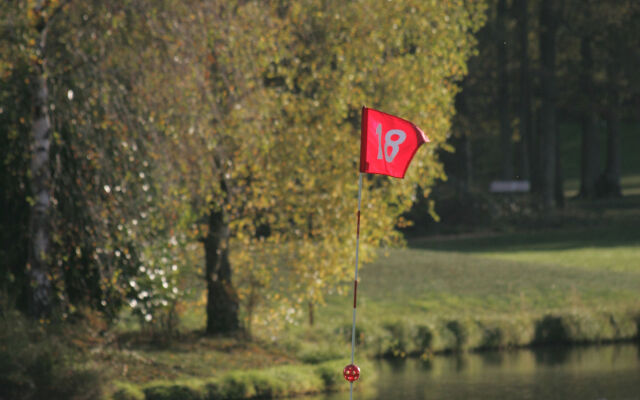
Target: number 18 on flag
[(388, 143)]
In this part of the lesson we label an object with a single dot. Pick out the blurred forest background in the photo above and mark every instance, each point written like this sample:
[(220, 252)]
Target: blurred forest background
[(186, 169), (551, 99)]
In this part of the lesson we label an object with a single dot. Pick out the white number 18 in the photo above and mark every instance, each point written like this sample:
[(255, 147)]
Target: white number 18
[(394, 144)]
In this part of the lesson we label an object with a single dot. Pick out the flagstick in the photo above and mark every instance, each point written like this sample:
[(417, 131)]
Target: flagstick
[(355, 282)]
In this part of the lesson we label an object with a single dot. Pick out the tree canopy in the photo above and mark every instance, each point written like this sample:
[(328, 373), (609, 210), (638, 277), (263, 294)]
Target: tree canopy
[(230, 123)]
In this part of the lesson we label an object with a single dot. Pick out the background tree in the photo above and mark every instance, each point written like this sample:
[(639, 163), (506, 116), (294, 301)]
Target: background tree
[(302, 88), (40, 16), (380, 64), (246, 152), (619, 52), (506, 142), (548, 129), (14, 153), (590, 157), (524, 105), (98, 191)]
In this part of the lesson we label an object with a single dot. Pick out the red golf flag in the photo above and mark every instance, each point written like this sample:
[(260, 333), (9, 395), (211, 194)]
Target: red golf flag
[(387, 143)]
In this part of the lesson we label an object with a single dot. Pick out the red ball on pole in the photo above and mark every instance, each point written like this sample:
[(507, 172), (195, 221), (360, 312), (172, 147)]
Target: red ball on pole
[(351, 372)]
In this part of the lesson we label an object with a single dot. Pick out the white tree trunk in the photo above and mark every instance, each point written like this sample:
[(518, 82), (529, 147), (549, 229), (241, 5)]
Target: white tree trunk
[(39, 226)]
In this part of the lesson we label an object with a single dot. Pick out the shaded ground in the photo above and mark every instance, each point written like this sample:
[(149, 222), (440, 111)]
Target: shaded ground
[(190, 355)]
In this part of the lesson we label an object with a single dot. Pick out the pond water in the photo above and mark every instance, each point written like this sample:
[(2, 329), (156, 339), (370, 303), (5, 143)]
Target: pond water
[(610, 372)]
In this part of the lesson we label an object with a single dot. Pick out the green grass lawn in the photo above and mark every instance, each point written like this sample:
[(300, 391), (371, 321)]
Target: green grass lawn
[(501, 274)]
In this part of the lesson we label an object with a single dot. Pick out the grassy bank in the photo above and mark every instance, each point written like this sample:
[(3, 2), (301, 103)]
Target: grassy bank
[(268, 383)]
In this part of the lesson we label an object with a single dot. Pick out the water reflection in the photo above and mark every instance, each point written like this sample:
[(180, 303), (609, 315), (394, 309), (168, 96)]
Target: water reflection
[(552, 355), (492, 357), (602, 372), (397, 365)]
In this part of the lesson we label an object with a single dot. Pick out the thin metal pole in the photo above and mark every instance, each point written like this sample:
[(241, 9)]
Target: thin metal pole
[(355, 283)]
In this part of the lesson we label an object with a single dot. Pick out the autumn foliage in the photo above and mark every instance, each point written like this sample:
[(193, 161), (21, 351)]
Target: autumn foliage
[(229, 123)]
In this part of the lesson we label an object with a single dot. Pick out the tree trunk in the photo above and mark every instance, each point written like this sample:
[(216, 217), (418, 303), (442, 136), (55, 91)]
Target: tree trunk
[(548, 108), (40, 296), (466, 181), (503, 93), (468, 163), (559, 179), (609, 182), (590, 158), (525, 94), (222, 300), (311, 319)]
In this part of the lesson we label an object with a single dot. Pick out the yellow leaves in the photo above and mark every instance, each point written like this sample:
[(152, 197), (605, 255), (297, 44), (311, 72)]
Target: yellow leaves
[(32, 14), (432, 211), (289, 151), (447, 147)]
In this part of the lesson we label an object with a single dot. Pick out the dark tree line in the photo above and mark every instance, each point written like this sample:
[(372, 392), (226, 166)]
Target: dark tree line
[(542, 63)]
